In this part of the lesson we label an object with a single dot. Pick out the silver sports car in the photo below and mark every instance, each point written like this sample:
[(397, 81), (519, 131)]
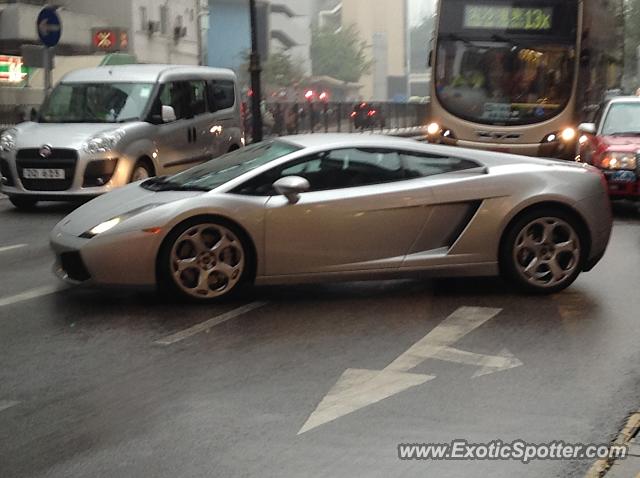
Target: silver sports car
[(341, 207)]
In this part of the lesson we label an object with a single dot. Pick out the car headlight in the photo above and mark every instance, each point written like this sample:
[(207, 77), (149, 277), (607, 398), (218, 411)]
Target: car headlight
[(103, 143), (619, 161), (114, 221), (8, 140)]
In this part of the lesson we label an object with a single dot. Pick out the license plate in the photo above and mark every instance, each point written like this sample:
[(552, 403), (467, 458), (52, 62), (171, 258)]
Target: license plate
[(31, 173), (623, 177)]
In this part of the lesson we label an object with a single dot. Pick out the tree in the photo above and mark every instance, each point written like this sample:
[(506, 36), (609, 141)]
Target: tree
[(341, 55), (632, 37), (281, 70)]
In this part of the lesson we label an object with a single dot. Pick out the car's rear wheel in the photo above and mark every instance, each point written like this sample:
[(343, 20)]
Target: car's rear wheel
[(203, 260), (543, 251), (22, 203)]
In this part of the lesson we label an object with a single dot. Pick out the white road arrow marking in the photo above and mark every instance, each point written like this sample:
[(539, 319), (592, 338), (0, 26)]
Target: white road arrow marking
[(358, 388)]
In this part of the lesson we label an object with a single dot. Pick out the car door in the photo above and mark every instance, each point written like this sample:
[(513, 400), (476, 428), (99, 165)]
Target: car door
[(204, 136), (174, 140), (459, 188), (224, 121), (360, 214)]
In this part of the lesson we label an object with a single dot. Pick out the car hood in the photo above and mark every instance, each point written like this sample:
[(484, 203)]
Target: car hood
[(626, 143), (122, 201), (59, 135)]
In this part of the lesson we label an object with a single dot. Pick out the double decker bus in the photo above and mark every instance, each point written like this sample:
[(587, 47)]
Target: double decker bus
[(519, 75)]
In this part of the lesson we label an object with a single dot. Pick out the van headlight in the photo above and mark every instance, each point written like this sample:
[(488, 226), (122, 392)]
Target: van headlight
[(8, 140), (103, 143)]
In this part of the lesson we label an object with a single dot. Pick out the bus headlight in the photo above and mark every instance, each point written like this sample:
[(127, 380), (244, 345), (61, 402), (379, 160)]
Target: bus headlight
[(433, 129), (568, 134)]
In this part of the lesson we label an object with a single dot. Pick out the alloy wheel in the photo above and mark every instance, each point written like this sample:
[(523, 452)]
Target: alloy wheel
[(207, 261), (547, 252)]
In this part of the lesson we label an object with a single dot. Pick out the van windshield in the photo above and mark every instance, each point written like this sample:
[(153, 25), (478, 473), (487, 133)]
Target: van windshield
[(96, 103)]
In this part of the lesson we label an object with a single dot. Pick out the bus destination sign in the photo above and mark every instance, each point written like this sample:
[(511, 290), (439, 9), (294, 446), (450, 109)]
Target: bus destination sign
[(502, 17)]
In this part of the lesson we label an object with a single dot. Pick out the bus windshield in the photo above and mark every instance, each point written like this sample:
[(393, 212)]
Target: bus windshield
[(503, 64)]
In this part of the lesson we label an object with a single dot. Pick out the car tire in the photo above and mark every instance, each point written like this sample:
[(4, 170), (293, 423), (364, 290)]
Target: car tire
[(543, 251), (22, 203), (204, 260), (141, 171)]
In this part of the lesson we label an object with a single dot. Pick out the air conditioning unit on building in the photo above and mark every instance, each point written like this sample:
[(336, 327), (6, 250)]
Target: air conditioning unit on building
[(153, 27), (179, 32)]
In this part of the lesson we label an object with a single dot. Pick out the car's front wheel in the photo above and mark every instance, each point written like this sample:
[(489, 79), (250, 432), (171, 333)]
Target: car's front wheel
[(23, 203), (543, 251), (203, 260)]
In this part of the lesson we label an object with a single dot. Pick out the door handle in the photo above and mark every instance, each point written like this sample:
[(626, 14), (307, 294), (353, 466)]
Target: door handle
[(192, 135)]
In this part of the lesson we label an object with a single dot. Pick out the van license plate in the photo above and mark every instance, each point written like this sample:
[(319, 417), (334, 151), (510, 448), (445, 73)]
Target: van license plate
[(31, 173)]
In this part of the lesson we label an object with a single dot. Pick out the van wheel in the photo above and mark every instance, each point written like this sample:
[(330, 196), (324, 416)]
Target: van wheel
[(24, 204), (141, 171)]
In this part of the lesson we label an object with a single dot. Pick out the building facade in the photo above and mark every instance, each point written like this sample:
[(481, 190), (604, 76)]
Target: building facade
[(283, 25), (382, 24)]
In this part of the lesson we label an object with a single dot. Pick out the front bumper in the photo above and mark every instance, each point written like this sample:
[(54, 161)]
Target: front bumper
[(84, 177), (623, 184), (127, 259)]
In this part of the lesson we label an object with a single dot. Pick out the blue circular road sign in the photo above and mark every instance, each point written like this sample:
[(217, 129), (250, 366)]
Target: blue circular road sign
[(49, 26)]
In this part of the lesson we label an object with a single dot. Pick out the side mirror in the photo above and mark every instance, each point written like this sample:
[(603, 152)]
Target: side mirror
[(291, 187), (587, 128), (168, 114)]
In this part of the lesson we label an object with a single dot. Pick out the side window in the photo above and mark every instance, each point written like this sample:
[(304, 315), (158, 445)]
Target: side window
[(197, 97), (422, 165), (222, 94), (176, 95), (337, 169)]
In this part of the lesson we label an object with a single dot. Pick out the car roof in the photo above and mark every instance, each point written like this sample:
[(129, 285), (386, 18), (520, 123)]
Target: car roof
[(333, 140), (145, 73)]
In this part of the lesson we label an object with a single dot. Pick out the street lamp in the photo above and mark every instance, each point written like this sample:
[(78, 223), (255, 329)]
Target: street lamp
[(255, 69)]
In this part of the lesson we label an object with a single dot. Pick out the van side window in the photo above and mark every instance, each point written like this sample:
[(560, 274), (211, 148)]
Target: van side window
[(175, 95), (197, 98), (222, 94)]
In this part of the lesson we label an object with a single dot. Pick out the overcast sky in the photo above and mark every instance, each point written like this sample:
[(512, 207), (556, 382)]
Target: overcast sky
[(418, 9)]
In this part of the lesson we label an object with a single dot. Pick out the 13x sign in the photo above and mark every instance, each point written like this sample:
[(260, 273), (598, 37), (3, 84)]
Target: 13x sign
[(358, 388)]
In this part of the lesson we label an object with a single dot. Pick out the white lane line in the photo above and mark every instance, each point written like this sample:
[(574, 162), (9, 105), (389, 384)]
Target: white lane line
[(4, 404), (30, 294), (203, 326), (12, 248)]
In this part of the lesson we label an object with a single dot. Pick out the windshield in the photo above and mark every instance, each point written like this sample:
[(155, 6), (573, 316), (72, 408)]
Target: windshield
[(96, 103), (621, 119), (505, 62), (217, 172)]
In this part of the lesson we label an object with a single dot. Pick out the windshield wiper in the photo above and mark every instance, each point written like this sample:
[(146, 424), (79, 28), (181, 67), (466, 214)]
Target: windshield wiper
[(126, 120), (454, 37)]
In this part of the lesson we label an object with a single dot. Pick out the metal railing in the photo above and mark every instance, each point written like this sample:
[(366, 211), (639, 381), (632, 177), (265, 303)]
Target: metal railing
[(287, 118), (14, 114)]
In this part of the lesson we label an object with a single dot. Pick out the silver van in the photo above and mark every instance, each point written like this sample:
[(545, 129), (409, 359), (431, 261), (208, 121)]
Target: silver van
[(102, 128)]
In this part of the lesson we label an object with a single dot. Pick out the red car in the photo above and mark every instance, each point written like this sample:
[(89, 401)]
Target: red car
[(612, 144)]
